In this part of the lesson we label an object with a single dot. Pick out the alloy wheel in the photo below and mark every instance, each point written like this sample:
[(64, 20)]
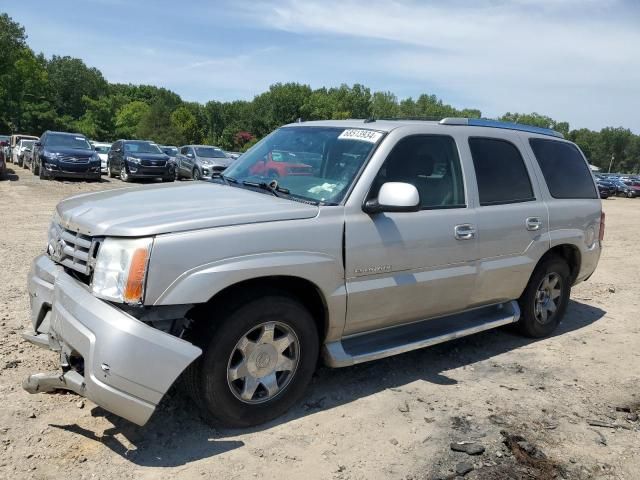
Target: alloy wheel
[(263, 362), (547, 299)]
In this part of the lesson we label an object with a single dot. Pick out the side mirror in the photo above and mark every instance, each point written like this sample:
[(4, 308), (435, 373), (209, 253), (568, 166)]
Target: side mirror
[(394, 197), (38, 144), (190, 155)]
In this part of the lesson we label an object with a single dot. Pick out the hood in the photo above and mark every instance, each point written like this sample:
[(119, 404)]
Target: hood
[(165, 208), (224, 161)]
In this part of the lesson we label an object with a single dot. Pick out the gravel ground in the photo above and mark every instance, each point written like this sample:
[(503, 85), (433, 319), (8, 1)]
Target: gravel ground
[(563, 407)]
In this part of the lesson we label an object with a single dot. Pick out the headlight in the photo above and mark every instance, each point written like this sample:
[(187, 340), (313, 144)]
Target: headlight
[(133, 160), (95, 157), (121, 269)]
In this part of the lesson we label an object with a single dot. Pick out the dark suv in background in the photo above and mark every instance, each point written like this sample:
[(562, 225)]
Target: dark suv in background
[(133, 159), (59, 154)]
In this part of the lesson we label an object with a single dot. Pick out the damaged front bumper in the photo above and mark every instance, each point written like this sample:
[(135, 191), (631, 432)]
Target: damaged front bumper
[(106, 355)]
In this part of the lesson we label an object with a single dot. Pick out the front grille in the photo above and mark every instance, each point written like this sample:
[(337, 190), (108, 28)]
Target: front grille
[(153, 163), (72, 159), (70, 249)]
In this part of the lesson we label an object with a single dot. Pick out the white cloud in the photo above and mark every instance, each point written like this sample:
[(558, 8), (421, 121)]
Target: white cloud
[(574, 60)]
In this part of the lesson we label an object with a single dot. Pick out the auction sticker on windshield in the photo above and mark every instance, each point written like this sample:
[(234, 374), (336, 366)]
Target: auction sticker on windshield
[(358, 134)]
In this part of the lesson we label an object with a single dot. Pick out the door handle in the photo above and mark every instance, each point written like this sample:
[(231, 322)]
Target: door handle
[(533, 224), (464, 232)]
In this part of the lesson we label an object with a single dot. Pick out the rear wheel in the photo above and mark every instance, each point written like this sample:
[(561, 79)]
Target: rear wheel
[(545, 299), (256, 364)]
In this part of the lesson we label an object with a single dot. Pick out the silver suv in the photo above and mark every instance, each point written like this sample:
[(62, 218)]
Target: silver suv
[(376, 237)]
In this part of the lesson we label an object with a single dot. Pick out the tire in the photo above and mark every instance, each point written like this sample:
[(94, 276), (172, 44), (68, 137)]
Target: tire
[(109, 171), (208, 380), (35, 167), (124, 175), (195, 174), (42, 173), (629, 194), (537, 320)]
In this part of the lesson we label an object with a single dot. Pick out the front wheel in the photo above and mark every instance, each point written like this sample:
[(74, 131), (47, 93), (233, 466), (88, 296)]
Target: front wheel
[(545, 299), (124, 175), (257, 363), (629, 194), (42, 173), (195, 174), (110, 171)]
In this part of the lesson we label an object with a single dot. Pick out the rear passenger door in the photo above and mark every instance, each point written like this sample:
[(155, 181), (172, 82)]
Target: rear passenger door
[(512, 218)]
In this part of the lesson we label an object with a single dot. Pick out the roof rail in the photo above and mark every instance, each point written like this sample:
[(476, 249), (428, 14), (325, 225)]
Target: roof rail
[(482, 122)]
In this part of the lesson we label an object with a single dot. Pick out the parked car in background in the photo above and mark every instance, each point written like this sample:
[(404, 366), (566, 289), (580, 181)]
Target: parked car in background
[(27, 157), (609, 185), (102, 149), (624, 189), (279, 163), (201, 161), (172, 152), (408, 235), (18, 152), (4, 141), (232, 155), (65, 155), (14, 145), (136, 159), (603, 191)]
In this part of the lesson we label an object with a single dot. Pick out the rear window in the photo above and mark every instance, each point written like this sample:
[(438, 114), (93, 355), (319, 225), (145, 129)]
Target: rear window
[(564, 169), (500, 171)]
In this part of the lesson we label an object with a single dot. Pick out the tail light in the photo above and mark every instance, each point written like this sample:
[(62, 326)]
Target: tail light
[(601, 236)]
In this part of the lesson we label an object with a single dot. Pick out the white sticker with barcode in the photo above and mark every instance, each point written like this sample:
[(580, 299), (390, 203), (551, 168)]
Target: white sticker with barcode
[(359, 134)]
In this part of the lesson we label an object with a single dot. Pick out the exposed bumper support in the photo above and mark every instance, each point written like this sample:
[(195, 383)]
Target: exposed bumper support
[(50, 382)]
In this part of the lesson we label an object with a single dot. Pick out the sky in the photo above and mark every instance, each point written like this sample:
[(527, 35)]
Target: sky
[(574, 60)]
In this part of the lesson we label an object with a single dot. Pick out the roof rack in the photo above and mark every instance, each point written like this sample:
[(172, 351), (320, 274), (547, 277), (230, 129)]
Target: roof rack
[(481, 122)]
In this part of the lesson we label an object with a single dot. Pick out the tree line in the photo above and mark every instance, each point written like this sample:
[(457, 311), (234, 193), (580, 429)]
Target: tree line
[(63, 93)]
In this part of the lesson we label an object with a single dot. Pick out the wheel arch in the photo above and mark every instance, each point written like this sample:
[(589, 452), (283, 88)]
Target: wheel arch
[(308, 293), (567, 252)]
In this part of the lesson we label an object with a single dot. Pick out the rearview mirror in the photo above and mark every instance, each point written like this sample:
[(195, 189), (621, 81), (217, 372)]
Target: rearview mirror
[(394, 197)]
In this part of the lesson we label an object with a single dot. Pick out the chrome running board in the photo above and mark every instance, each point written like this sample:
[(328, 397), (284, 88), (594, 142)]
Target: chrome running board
[(404, 338)]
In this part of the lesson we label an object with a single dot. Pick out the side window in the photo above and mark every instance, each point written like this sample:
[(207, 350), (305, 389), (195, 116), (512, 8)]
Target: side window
[(431, 163), (500, 172), (564, 169), (183, 150)]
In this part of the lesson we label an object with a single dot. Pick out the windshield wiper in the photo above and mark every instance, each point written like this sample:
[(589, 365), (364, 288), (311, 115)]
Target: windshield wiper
[(272, 187), (225, 179)]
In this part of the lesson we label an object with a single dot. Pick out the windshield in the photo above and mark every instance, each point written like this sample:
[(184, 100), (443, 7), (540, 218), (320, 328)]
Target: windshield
[(75, 142), (171, 151), (313, 163), (102, 148), (141, 147), (209, 152)]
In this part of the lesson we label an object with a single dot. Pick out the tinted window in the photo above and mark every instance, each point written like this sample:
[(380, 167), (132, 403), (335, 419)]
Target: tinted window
[(141, 147), (500, 171), (564, 169), (431, 163)]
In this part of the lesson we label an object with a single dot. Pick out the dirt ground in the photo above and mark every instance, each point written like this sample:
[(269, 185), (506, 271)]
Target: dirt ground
[(528, 403)]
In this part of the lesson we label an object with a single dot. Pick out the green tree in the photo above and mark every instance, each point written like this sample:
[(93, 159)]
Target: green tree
[(384, 105), (71, 81), (128, 118)]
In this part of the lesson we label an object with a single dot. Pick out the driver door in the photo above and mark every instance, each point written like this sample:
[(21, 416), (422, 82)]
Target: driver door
[(408, 266)]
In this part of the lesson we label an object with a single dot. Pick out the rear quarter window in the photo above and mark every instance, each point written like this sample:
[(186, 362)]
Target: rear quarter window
[(564, 169)]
